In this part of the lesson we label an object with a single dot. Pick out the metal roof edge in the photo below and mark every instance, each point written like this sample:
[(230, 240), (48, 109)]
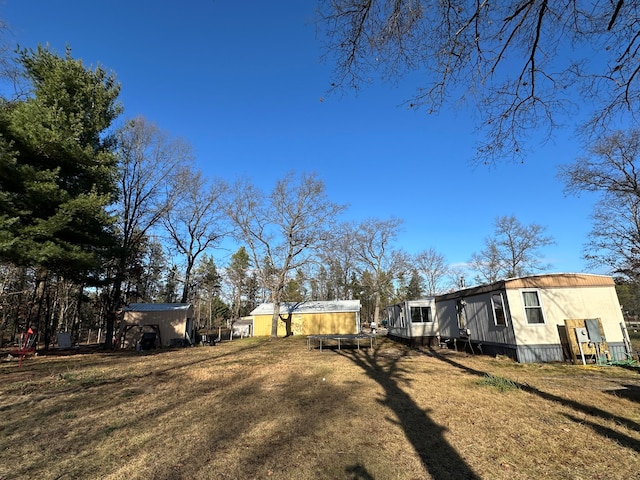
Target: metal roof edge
[(527, 281)]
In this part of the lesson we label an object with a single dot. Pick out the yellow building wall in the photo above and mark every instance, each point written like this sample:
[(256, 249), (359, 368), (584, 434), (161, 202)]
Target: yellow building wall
[(262, 325), (560, 304), (329, 323), (309, 324)]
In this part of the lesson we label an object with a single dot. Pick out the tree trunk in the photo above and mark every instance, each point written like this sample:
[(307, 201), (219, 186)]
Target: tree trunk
[(50, 319), (187, 281), (275, 296), (275, 319), (112, 314), (39, 297), (75, 324), (287, 324)]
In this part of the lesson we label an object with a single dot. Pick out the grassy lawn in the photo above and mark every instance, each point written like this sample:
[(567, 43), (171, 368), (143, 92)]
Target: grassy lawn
[(253, 409)]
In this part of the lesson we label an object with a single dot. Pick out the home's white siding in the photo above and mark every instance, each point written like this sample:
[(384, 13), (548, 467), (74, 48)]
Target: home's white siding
[(562, 303)]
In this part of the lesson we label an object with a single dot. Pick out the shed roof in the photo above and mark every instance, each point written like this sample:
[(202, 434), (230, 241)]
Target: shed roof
[(310, 307), (156, 307)]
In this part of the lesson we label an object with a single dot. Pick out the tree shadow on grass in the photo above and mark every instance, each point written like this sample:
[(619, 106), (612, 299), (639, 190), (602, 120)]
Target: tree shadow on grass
[(573, 404), (358, 472), (33, 392), (630, 392), (182, 407), (609, 433), (438, 457)]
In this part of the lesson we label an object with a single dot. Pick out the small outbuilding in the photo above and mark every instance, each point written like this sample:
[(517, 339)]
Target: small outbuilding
[(539, 318), (309, 318), (172, 324), (242, 327)]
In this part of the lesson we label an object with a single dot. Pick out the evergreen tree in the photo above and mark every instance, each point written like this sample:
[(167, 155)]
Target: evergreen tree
[(629, 296), (57, 177), (253, 295), (207, 287), (294, 290), (238, 277), (169, 293), (414, 287), (57, 171)]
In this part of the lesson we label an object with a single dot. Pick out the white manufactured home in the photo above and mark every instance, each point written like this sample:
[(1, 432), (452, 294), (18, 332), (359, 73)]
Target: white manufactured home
[(535, 318), (414, 322)]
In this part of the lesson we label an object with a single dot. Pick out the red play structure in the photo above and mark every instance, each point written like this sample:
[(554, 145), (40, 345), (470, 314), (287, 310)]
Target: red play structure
[(28, 345)]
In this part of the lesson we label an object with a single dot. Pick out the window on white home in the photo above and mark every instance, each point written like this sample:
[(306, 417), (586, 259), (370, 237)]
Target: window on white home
[(532, 307), (497, 302), (421, 314)]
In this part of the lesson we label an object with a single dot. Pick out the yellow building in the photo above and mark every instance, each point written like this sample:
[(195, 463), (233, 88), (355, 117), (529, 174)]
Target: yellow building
[(310, 318)]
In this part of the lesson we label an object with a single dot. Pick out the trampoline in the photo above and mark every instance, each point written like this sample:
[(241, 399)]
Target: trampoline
[(340, 339)]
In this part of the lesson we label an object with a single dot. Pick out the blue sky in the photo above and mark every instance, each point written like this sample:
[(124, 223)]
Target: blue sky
[(245, 85)]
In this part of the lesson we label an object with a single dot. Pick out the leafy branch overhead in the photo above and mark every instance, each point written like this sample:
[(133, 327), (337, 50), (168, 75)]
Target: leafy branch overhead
[(527, 67)]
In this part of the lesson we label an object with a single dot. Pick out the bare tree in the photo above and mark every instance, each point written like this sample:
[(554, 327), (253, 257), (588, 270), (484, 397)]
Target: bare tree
[(614, 240), (340, 258), (197, 219), (148, 160), (374, 248), (609, 167), (611, 170), (284, 230), (11, 75), (512, 251), (434, 270), (456, 278), (522, 64), (487, 263), (150, 266)]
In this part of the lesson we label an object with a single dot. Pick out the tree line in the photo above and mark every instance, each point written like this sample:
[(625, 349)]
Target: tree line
[(97, 213)]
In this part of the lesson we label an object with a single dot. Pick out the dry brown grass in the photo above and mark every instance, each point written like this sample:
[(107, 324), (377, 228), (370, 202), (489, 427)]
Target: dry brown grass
[(271, 409)]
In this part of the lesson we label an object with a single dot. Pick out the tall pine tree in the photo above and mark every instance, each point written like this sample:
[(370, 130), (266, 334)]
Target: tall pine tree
[(57, 170)]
